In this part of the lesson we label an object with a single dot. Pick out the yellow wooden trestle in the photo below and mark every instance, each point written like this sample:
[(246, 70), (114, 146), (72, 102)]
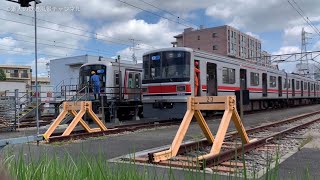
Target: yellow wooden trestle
[(194, 107), (77, 110)]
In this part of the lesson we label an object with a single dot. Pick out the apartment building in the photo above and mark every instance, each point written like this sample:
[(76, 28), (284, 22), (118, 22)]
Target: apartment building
[(224, 40), (17, 73), (41, 81), (265, 58)]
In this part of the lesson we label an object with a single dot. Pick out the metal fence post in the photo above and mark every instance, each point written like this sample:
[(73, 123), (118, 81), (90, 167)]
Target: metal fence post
[(65, 93), (241, 100), (102, 110), (16, 96)]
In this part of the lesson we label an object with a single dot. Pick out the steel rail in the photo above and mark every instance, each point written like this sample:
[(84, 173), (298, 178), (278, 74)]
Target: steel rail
[(81, 134), (117, 129), (229, 154), (195, 145)]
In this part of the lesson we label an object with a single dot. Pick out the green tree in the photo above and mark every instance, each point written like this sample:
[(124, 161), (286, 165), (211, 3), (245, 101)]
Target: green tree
[(2, 75)]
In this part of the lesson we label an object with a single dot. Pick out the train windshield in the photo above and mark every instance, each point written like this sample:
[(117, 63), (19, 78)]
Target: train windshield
[(167, 66), (85, 74)]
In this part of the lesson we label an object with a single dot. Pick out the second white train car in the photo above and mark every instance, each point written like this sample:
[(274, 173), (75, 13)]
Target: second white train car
[(169, 79)]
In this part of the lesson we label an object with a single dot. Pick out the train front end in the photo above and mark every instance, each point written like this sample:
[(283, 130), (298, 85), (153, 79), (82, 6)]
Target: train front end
[(167, 82)]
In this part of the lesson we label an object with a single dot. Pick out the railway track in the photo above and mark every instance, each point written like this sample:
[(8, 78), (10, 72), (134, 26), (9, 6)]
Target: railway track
[(81, 134), (273, 139)]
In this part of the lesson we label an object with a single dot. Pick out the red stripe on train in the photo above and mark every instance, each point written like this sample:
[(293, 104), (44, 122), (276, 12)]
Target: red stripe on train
[(166, 89)]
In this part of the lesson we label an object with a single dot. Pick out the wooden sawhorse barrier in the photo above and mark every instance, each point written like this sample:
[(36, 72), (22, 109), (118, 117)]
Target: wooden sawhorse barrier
[(194, 107), (77, 110)]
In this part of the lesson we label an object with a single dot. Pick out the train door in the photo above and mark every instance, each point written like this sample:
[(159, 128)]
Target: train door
[(212, 88), (243, 79), (264, 85), (293, 87), (280, 86), (302, 88), (132, 84), (308, 88)]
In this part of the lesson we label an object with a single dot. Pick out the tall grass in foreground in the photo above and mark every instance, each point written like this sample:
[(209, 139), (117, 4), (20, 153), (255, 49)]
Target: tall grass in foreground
[(67, 168), (53, 167)]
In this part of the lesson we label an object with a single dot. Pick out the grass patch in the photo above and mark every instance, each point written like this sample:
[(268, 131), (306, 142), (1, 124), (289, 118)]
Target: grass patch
[(46, 166)]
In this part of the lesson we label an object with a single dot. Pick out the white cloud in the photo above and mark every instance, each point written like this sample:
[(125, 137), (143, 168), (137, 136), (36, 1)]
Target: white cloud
[(23, 34), (97, 9), (316, 46), (219, 12), (42, 67), (253, 35), (8, 41), (287, 50), (288, 66), (127, 53), (156, 35), (263, 16)]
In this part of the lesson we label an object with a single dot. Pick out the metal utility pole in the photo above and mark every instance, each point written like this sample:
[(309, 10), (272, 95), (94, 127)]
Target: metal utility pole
[(241, 98), (304, 66), (133, 49), (36, 62), (25, 3), (119, 76)]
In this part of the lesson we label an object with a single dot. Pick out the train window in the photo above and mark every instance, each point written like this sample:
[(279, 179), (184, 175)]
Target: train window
[(254, 79), (273, 81), (146, 67), (137, 80), (289, 84), (286, 83), (311, 87), (305, 86), (318, 88), (175, 65), (130, 81), (297, 84), (155, 68), (85, 74), (228, 76), (215, 47), (116, 78), (167, 66)]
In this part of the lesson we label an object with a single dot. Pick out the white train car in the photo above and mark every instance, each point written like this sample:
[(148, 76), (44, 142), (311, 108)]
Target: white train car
[(169, 80), (121, 90)]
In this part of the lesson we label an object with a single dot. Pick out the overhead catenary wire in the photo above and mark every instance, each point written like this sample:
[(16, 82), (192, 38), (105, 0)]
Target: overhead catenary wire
[(61, 31), (155, 14), (315, 29), (16, 51), (62, 47), (96, 35), (66, 47), (63, 25), (54, 41), (306, 16), (58, 30), (168, 12)]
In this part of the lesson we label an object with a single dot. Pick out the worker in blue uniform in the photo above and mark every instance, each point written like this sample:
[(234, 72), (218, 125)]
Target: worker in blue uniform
[(95, 80)]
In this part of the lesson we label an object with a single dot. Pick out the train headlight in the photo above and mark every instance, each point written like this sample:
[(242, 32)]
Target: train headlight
[(181, 88)]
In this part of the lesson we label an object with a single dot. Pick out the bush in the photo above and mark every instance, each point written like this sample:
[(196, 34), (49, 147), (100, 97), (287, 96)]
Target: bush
[(2, 75)]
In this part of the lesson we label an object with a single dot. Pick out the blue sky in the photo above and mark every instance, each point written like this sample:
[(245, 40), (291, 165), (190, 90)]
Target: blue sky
[(100, 27)]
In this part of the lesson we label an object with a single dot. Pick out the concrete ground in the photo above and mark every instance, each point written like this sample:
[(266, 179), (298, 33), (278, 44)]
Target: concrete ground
[(117, 145), (305, 164)]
